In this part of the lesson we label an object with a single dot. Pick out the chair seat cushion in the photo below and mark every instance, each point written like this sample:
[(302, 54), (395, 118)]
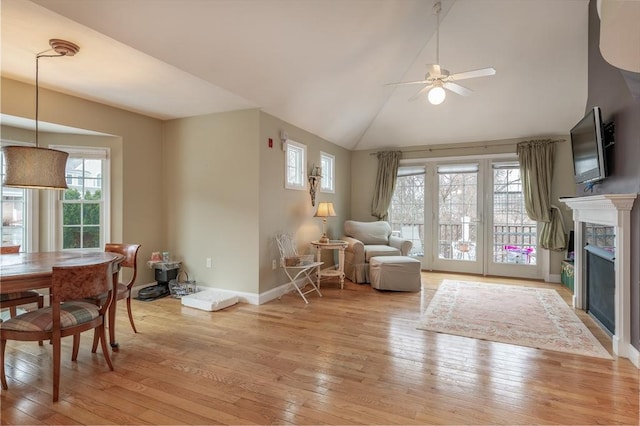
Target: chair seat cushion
[(71, 314), (376, 250), (5, 297)]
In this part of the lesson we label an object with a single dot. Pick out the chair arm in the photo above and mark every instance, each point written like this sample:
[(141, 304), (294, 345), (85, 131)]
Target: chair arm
[(354, 250), (401, 244)]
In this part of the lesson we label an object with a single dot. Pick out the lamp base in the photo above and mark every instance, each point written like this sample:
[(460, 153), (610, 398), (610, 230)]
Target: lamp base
[(324, 239)]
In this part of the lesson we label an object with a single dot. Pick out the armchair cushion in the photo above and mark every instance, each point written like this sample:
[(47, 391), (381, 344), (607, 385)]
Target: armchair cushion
[(368, 232), (376, 250)]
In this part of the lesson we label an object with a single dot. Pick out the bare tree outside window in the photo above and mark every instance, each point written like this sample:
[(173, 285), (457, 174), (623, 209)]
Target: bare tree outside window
[(406, 213)]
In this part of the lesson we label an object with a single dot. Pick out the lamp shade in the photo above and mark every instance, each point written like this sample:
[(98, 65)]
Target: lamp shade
[(325, 210), (32, 167)]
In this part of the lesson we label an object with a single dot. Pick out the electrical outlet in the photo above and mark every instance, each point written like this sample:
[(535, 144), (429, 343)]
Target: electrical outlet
[(208, 262), (273, 264)]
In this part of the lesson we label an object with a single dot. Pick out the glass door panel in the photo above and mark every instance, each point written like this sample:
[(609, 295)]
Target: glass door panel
[(514, 236), (458, 242), (406, 213)]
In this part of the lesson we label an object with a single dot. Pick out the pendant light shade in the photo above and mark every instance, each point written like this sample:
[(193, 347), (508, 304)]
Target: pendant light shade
[(31, 167)]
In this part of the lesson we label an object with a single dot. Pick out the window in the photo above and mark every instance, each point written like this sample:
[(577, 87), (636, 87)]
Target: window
[(295, 160), (514, 234), (327, 163), (84, 205), (406, 213), (17, 211)]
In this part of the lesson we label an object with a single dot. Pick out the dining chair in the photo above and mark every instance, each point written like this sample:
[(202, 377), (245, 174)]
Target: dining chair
[(123, 291), (68, 315), (13, 300)]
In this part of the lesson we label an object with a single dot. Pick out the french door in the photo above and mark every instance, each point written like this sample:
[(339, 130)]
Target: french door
[(466, 216)]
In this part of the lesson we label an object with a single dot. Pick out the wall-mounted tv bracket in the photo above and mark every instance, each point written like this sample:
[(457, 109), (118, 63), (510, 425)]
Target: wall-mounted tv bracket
[(609, 131)]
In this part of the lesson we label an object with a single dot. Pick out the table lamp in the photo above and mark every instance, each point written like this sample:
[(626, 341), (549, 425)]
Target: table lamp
[(324, 210)]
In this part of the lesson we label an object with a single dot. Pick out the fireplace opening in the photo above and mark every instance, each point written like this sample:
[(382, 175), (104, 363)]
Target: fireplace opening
[(600, 274)]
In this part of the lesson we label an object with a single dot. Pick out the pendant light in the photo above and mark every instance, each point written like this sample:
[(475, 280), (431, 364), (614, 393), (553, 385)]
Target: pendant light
[(31, 166)]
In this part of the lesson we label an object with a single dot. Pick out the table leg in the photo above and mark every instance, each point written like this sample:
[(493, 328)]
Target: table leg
[(341, 266), (319, 259)]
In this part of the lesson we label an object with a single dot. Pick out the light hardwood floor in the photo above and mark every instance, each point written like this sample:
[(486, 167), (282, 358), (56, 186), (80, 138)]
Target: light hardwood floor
[(351, 357)]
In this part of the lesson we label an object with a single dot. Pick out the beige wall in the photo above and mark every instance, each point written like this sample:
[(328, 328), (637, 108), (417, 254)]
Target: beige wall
[(137, 210), (226, 198), (287, 210), (210, 196), (364, 167)]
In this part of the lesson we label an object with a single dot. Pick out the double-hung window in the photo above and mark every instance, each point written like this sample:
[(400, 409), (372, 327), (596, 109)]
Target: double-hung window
[(84, 206), (328, 165), (295, 160), (18, 210)]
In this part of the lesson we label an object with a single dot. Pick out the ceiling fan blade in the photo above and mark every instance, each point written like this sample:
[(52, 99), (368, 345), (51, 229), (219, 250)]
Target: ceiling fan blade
[(421, 93), (456, 88), (434, 70), (404, 83), (473, 74)]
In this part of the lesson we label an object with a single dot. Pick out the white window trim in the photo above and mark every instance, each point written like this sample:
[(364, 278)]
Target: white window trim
[(301, 169), (328, 176), (55, 202)]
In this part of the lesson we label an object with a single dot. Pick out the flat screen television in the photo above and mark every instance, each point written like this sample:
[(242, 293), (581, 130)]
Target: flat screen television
[(588, 143)]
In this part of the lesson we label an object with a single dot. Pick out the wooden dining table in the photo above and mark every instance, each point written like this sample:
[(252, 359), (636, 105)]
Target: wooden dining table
[(32, 271)]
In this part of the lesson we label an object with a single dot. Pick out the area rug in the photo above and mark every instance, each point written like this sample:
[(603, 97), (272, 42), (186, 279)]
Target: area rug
[(524, 316)]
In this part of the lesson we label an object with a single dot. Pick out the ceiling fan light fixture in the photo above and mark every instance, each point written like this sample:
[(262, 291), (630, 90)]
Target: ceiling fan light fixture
[(436, 95)]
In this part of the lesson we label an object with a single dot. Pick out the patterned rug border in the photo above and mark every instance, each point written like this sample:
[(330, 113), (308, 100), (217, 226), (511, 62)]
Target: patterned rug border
[(570, 335)]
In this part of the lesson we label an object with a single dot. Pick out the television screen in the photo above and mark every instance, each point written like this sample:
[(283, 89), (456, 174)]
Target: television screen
[(588, 145)]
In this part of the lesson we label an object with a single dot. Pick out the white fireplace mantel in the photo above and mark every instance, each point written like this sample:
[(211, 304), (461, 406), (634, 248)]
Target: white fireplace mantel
[(610, 210)]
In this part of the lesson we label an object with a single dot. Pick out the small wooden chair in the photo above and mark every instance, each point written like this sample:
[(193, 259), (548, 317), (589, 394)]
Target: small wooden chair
[(13, 300), (68, 315)]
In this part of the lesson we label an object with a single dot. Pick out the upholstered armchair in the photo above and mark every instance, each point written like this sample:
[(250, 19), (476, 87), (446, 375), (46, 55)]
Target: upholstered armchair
[(366, 240)]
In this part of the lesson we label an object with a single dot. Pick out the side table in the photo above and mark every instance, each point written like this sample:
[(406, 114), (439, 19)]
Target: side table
[(339, 245)]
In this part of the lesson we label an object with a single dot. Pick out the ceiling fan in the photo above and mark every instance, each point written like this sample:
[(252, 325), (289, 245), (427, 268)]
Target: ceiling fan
[(437, 78)]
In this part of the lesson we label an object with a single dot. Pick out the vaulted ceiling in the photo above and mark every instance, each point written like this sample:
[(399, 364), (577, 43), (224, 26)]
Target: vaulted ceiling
[(321, 65)]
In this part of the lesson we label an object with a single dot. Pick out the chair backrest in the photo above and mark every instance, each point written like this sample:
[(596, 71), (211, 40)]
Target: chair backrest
[(368, 232), (81, 282), (9, 249), (130, 253), (286, 245)]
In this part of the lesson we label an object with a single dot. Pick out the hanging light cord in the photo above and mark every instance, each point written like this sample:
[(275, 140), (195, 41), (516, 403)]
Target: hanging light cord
[(38, 56)]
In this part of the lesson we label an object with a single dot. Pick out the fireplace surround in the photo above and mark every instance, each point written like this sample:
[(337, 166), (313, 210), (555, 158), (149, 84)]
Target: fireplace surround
[(612, 210)]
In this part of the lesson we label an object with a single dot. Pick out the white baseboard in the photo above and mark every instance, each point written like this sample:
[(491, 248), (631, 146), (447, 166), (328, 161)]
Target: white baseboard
[(554, 278), (634, 356)]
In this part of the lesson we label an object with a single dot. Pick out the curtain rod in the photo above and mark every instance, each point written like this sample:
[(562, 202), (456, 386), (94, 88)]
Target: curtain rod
[(485, 146)]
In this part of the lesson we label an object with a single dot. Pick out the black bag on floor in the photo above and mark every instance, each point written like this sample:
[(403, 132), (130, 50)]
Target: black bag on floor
[(153, 292)]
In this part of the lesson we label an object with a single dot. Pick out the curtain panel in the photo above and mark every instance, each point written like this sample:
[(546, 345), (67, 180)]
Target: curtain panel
[(536, 170), (388, 162)]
